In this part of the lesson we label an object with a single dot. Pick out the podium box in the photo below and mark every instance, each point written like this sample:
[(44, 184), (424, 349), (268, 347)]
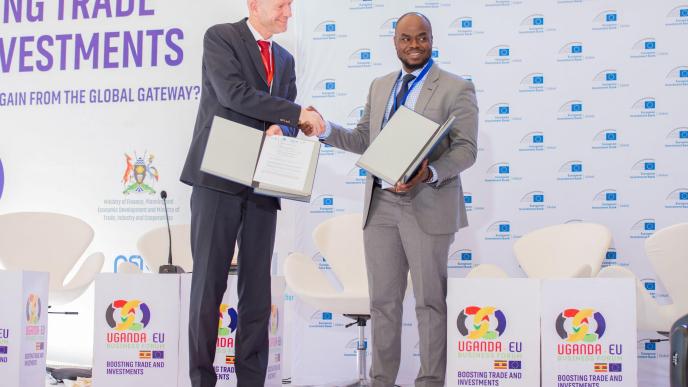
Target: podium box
[(141, 331), (225, 355), (136, 341), (493, 332), (589, 332), (23, 327)]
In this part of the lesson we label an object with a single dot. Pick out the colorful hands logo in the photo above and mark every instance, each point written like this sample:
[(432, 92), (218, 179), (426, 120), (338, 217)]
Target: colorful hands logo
[(579, 328), (274, 319), (128, 315), (480, 328), (33, 309), (2, 178), (229, 325)]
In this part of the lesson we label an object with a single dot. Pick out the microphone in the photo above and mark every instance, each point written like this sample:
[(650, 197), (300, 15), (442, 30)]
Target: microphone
[(169, 268)]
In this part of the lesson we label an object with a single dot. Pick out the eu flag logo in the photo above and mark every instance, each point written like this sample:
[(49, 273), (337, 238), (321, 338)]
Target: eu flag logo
[(514, 364), (362, 172), (503, 110), (650, 104), (538, 21), (610, 255), (684, 12), (649, 226), (611, 77), (650, 346), (538, 139), (3, 350), (576, 107), (650, 286), (466, 23), (650, 166), (650, 45), (330, 27), (328, 201), (615, 367), (503, 52), (611, 136), (610, 196), (365, 55), (683, 196), (611, 17), (538, 198), (538, 80), (468, 199), (504, 228), (683, 73), (503, 169), (683, 134), (330, 85), (158, 354), (466, 256), (435, 53), (327, 316), (576, 167), (576, 49)]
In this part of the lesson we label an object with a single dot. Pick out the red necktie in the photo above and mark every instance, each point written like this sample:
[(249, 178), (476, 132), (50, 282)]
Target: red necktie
[(267, 61)]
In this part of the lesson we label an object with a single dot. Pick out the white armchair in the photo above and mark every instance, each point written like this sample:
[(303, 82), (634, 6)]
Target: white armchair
[(50, 242), (340, 241), (571, 250)]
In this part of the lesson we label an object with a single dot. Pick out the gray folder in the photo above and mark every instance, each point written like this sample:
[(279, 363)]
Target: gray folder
[(403, 144)]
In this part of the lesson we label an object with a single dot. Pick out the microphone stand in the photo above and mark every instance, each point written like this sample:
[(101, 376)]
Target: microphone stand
[(169, 268)]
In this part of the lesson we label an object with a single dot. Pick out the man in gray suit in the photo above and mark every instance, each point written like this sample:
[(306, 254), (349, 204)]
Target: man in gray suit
[(411, 226), (249, 79)]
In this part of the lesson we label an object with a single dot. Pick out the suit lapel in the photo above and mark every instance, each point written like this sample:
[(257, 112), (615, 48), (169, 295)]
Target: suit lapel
[(383, 91), (279, 69), (252, 48), (429, 87)]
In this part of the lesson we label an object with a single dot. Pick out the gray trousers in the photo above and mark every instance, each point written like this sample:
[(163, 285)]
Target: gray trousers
[(395, 244)]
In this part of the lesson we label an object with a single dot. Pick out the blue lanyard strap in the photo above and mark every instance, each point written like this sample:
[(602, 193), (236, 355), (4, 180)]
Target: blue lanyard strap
[(416, 81)]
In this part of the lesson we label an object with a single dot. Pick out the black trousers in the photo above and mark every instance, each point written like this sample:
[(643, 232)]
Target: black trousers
[(218, 220)]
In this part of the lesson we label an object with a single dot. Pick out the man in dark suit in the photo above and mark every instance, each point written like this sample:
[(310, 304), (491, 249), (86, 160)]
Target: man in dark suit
[(248, 79)]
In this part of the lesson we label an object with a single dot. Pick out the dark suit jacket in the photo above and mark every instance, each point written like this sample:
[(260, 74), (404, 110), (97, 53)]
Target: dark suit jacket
[(234, 87)]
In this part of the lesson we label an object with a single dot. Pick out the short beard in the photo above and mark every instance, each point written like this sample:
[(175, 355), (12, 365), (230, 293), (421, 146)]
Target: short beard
[(414, 67)]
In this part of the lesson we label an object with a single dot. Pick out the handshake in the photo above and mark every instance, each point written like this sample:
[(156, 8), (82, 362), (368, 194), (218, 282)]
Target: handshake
[(311, 122)]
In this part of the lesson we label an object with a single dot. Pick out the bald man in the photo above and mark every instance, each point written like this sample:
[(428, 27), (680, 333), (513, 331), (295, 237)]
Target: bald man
[(249, 79), (411, 226)]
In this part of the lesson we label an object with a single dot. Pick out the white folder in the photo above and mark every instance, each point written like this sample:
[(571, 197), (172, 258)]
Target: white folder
[(274, 166)]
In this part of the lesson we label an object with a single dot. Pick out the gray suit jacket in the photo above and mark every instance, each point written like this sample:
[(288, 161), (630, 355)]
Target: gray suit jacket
[(439, 208), (234, 87)]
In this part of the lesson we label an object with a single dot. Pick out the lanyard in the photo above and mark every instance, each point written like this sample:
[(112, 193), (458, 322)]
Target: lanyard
[(415, 82)]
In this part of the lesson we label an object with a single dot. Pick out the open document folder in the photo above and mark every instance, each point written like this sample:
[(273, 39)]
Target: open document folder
[(407, 139), (276, 166)]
